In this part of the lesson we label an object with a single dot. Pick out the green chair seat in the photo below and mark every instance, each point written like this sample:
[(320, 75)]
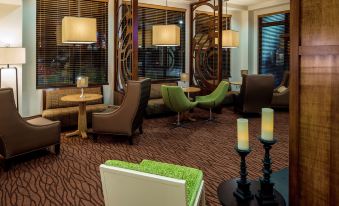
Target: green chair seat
[(193, 177), (215, 98)]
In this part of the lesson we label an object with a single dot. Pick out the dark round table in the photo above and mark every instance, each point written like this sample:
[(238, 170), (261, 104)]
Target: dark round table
[(226, 197)]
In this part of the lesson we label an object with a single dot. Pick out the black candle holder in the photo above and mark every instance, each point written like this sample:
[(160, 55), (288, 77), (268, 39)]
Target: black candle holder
[(243, 191), (266, 194)]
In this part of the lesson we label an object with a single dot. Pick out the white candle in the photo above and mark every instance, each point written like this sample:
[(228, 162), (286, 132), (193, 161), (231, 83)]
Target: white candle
[(243, 141), (267, 124)]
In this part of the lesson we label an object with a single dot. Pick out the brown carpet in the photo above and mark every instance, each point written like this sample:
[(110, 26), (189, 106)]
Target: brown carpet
[(73, 177)]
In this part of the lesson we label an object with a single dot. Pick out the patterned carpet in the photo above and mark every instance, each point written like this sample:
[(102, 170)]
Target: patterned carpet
[(73, 177)]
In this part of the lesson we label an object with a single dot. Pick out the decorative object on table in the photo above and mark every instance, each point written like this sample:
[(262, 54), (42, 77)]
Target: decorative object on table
[(166, 35), (230, 38), (10, 56), (79, 30), (82, 82), (243, 191), (184, 80), (214, 99), (243, 72), (266, 194)]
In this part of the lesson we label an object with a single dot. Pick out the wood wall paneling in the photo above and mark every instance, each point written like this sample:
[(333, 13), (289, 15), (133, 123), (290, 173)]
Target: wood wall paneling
[(314, 131)]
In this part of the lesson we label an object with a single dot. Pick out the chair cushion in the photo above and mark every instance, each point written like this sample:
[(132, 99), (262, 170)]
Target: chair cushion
[(40, 121), (156, 90), (193, 177), (53, 97), (156, 106), (281, 89), (68, 116)]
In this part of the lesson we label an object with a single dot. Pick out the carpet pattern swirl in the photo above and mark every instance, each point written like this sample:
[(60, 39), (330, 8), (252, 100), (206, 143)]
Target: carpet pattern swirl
[(73, 178)]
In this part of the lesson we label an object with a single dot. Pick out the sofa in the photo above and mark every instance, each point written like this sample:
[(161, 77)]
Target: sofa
[(67, 112), (156, 105)]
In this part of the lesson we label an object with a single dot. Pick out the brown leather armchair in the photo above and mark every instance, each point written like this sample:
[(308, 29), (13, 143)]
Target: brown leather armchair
[(255, 93), (19, 136), (128, 117)]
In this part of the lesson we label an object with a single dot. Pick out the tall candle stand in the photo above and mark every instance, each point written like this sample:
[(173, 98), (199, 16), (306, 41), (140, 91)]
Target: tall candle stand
[(243, 191), (266, 194)]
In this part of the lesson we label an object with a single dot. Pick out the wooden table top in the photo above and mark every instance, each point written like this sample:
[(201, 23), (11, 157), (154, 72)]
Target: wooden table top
[(77, 98), (236, 83), (191, 89)]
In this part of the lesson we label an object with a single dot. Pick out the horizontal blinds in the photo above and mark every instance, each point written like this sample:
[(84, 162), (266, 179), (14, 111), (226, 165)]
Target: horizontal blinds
[(58, 65), (160, 63), (274, 45)]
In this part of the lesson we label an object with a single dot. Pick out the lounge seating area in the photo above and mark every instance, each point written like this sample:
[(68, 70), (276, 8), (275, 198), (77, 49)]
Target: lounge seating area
[(169, 103)]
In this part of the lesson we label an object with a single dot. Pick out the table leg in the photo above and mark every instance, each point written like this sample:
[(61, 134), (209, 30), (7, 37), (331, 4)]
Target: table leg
[(82, 120)]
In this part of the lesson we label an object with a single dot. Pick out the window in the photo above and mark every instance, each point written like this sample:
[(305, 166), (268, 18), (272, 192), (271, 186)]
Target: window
[(274, 41), (160, 63), (58, 65)]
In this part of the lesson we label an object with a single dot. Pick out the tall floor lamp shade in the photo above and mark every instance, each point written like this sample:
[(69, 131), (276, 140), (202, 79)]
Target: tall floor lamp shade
[(12, 56)]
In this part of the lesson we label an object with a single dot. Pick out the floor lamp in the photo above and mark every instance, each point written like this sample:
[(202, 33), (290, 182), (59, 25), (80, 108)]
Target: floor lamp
[(12, 56)]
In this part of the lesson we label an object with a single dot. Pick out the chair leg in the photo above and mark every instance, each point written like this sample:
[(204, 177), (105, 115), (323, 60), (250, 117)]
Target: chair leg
[(130, 140), (178, 119), (95, 137), (211, 115), (141, 131), (7, 165), (57, 149)]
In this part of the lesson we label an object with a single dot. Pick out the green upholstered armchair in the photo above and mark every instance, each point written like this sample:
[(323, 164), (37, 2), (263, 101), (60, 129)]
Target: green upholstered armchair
[(214, 99), (175, 99)]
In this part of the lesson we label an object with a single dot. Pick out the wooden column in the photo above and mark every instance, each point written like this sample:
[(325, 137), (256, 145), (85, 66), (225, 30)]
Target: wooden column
[(314, 109), (220, 8), (135, 45)]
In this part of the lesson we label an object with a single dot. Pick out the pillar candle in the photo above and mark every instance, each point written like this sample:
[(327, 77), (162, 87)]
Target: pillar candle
[(267, 124), (243, 142)]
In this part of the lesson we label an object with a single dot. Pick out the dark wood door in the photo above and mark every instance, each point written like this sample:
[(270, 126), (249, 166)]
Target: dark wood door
[(314, 111)]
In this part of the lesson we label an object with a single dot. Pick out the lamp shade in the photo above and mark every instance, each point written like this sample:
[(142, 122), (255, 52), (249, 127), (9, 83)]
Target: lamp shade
[(82, 82), (79, 30), (11, 55), (184, 77), (166, 35), (230, 39)]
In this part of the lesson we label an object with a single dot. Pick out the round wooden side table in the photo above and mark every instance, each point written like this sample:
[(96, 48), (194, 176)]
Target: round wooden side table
[(226, 197), (82, 116), (189, 90)]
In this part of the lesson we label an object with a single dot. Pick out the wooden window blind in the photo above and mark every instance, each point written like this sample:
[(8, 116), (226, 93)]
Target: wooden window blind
[(274, 45), (58, 65), (160, 63)]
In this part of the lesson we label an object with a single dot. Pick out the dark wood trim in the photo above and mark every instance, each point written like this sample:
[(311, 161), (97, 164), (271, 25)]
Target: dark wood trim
[(135, 45), (154, 6), (220, 2), (190, 33), (278, 12), (319, 50), (294, 195), (115, 43)]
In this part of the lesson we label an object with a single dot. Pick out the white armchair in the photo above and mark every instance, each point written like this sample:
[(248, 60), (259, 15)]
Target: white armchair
[(127, 184)]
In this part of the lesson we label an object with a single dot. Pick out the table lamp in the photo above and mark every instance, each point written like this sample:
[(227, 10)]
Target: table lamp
[(184, 77), (12, 56), (82, 82)]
